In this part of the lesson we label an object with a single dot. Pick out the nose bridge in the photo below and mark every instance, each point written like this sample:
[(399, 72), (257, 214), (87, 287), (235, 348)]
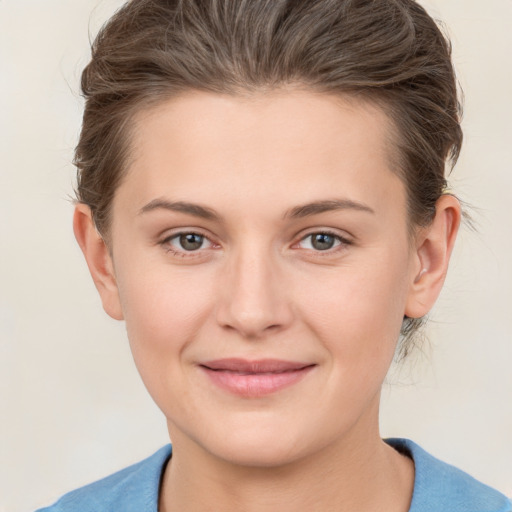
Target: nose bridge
[(253, 300)]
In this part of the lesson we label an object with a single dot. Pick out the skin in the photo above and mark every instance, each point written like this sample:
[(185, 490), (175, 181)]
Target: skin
[(258, 287)]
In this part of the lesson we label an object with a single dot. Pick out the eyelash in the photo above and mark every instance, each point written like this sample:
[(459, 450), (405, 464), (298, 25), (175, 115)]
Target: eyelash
[(342, 243), (166, 243)]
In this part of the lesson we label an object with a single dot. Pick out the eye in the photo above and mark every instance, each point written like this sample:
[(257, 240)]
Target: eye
[(186, 242), (322, 241)]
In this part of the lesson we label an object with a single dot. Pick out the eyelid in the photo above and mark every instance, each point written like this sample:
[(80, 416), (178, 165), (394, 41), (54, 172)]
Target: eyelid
[(165, 242), (343, 241)]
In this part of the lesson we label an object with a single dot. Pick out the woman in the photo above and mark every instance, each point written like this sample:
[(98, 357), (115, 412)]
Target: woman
[(262, 199)]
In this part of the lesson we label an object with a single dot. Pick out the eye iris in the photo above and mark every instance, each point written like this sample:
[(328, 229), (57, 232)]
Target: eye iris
[(191, 241), (322, 241)]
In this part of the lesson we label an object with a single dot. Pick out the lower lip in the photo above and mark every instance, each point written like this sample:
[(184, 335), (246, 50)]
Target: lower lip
[(255, 385)]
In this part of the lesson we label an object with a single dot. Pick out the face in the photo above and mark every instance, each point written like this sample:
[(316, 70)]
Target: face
[(262, 260)]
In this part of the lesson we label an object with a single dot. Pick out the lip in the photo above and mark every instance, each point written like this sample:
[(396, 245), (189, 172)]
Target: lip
[(253, 379)]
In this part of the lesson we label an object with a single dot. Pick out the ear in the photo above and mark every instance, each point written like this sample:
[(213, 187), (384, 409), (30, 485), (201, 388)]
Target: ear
[(433, 248), (98, 259)]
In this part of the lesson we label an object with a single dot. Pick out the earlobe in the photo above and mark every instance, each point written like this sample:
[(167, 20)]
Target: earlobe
[(98, 260), (432, 255)]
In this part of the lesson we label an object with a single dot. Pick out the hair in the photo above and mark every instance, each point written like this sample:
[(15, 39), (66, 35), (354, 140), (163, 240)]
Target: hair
[(388, 52)]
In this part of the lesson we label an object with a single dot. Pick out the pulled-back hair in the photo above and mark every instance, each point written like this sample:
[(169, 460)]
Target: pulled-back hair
[(389, 52)]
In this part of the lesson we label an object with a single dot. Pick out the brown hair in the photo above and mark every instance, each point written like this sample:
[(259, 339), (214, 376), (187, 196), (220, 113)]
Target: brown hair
[(389, 52)]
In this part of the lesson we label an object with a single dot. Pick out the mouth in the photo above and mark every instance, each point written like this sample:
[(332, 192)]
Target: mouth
[(253, 379)]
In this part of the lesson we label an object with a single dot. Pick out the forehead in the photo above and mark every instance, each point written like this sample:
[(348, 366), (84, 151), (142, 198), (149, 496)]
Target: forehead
[(289, 145)]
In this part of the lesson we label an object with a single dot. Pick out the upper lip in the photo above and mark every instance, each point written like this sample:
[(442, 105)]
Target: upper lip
[(255, 366)]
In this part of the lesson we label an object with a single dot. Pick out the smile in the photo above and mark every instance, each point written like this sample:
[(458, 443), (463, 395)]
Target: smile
[(253, 379)]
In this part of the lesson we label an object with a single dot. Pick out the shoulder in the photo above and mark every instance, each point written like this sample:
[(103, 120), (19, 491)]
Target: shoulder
[(440, 487), (133, 489)]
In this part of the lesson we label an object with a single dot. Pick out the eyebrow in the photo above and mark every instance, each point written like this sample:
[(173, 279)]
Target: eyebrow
[(325, 206), (297, 212), (181, 206)]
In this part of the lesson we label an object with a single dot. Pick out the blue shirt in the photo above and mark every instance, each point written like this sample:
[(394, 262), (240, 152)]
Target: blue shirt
[(438, 487)]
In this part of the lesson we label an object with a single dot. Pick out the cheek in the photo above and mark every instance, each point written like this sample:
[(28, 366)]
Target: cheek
[(163, 309), (357, 311)]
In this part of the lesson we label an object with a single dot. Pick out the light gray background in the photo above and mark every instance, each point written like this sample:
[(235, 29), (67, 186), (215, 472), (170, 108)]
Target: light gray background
[(72, 408)]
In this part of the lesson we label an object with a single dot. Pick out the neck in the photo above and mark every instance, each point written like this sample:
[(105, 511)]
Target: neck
[(352, 475)]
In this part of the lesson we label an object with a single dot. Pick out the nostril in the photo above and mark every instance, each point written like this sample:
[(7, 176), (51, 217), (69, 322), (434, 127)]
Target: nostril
[(253, 301)]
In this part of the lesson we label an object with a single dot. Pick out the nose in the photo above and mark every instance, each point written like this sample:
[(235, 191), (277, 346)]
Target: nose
[(253, 296)]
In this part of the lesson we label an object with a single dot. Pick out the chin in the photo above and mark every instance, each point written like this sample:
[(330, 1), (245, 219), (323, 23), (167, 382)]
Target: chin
[(268, 453), (263, 442)]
